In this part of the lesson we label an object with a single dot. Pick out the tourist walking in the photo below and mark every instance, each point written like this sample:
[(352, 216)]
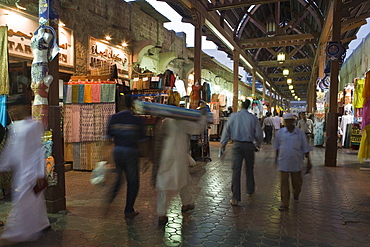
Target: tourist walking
[(244, 129)]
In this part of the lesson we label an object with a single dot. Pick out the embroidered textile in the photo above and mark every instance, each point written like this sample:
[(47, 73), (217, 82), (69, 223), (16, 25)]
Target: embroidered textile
[(41, 113), (4, 75), (95, 93), (75, 93), (76, 122), (87, 122), (81, 88), (88, 93)]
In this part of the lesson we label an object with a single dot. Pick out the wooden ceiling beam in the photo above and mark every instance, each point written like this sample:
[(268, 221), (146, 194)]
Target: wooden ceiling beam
[(293, 83), (352, 26), (290, 62), (293, 75), (279, 44), (280, 38), (232, 4)]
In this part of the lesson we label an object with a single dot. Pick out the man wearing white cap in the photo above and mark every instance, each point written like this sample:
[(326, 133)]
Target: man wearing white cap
[(290, 144)]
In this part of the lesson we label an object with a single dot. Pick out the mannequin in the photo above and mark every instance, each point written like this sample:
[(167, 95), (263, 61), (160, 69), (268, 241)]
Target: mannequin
[(195, 95), (346, 119), (44, 49)]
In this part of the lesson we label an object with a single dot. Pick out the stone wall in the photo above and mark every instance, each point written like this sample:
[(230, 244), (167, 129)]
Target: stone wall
[(123, 21)]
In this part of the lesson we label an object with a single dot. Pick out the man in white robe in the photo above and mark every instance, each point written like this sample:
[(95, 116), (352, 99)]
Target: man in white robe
[(24, 156), (173, 173)]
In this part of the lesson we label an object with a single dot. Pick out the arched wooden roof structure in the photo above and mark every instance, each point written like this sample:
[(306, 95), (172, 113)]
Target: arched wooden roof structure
[(303, 28)]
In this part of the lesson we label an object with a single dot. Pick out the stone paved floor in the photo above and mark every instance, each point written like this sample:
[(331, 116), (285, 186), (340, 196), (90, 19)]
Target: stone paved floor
[(334, 210)]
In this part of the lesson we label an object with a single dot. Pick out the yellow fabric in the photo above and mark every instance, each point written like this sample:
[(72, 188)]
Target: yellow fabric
[(366, 91), (4, 75), (364, 150), (358, 100)]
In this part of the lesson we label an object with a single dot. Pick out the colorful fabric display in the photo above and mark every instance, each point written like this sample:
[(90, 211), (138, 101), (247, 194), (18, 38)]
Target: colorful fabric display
[(95, 88), (74, 93), (108, 92), (88, 93), (81, 89), (69, 94), (169, 111)]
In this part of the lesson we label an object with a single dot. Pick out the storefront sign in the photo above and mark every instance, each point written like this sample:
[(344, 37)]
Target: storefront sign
[(103, 56), (20, 32)]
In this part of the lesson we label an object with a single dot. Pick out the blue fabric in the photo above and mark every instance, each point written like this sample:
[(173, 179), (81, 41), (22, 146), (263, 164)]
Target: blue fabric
[(81, 93), (3, 114)]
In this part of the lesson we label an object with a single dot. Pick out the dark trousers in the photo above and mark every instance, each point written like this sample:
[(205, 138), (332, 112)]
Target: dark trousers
[(242, 151), (268, 134), (127, 160), (296, 178)]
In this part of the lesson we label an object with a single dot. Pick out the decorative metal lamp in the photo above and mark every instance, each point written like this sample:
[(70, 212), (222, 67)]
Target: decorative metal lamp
[(285, 72), (271, 27), (289, 81), (281, 57), (290, 87)]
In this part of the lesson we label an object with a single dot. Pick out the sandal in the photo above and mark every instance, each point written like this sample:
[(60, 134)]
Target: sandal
[(131, 215), (188, 207), (283, 208)]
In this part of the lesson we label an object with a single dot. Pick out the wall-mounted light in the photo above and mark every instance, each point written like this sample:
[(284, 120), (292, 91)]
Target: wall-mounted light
[(124, 44), (289, 81), (285, 72), (108, 38), (281, 57)]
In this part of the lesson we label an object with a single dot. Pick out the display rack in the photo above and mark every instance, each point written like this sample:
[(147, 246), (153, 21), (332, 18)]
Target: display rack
[(355, 136)]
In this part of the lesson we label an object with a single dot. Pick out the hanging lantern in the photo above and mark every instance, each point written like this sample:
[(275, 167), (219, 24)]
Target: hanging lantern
[(289, 81), (271, 27), (290, 86), (285, 72), (281, 57)]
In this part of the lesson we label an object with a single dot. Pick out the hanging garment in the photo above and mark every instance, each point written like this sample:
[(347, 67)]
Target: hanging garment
[(366, 114), (318, 130), (358, 100), (364, 150), (3, 113), (88, 93), (366, 91), (206, 92), (346, 119), (81, 93), (195, 96), (4, 69)]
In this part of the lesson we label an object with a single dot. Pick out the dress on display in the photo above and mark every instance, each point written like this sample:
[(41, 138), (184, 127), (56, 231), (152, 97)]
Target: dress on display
[(195, 96), (358, 100), (346, 119), (318, 130)]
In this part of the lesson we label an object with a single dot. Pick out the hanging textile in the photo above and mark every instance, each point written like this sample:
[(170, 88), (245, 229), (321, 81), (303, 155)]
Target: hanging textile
[(358, 100), (366, 92), (4, 70), (3, 113), (364, 150)]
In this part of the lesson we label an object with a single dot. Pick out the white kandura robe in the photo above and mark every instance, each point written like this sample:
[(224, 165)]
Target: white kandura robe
[(24, 155), (173, 172)]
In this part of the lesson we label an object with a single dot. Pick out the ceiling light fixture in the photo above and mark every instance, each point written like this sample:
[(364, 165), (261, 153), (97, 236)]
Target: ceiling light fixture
[(281, 57), (285, 72), (289, 81)]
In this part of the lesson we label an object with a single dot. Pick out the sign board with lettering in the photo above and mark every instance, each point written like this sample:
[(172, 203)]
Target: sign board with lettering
[(20, 32), (104, 55)]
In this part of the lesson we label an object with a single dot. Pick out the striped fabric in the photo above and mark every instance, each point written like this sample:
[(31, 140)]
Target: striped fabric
[(87, 122), (67, 123), (169, 111), (76, 122), (69, 94)]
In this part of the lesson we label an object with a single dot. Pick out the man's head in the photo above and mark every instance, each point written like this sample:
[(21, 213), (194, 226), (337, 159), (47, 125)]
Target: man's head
[(303, 115), (268, 114), (276, 114), (246, 104), (18, 107), (289, 120)]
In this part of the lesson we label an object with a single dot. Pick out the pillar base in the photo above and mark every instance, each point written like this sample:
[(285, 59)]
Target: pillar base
[(55, 206)]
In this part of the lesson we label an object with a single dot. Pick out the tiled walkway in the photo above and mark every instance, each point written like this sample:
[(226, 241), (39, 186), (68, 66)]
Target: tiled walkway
[(334, 210)]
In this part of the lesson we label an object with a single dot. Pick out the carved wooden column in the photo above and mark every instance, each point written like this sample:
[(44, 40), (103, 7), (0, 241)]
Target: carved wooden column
[(332, 119), (198, 25)]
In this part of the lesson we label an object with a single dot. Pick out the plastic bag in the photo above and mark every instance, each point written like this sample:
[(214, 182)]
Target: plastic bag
[(98, 174)]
